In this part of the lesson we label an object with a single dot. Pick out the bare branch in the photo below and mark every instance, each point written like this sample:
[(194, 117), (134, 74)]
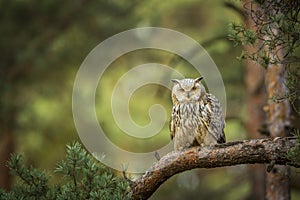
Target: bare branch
[(228, 154)]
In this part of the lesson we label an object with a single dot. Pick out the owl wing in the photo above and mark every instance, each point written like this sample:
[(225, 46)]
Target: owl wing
[(215, 121), (174, 121)]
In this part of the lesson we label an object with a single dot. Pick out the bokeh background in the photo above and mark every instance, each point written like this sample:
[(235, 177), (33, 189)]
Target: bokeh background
[(42, 45)]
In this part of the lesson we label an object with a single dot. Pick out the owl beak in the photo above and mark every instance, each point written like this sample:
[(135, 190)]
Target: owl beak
[(188, 94)]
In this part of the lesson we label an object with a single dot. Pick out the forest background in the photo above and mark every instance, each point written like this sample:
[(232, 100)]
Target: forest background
[(42, 45)]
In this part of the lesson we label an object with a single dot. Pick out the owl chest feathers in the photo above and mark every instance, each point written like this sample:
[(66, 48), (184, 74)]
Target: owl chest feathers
[(190, 125), (189, 114), (196, 123)]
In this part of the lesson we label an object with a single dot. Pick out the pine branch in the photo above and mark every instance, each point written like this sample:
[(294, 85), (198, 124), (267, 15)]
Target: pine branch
[(262, 151)]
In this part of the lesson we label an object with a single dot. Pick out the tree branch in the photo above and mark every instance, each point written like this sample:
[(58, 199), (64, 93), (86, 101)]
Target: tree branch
[(228, 154)]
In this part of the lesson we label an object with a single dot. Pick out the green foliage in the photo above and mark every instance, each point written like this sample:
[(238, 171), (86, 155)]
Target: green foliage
[(293, 83), (240, 35), (82, 178), (277, 26), (276, 39), (294, 153)]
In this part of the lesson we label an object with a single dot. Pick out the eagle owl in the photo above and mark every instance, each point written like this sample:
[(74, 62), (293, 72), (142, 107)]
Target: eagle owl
[(196, 118)]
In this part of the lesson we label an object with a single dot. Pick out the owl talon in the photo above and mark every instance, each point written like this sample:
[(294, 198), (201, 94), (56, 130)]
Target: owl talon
[(183, 148), (186, 148)]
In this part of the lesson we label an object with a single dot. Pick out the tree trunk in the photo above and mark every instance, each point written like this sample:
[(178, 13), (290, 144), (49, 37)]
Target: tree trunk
[(8, 111), (278, 111), (278, 119), (7, 145), (255, 101)]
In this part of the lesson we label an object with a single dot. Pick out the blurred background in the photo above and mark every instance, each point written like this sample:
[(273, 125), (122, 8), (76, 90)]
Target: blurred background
[(43, 44)]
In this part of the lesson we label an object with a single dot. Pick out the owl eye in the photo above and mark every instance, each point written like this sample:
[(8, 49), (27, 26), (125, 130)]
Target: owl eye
[(194, 88), (181, 90)]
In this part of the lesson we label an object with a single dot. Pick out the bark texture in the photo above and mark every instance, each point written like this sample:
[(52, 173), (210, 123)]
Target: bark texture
[(233, 153), (255, 101), (7, 145), (278, 118)]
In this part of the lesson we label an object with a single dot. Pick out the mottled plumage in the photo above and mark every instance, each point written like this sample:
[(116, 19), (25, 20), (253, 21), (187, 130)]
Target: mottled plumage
[(196, 115)]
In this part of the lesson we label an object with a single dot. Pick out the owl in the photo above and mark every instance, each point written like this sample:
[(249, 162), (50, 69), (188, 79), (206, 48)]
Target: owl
[(196, 118)]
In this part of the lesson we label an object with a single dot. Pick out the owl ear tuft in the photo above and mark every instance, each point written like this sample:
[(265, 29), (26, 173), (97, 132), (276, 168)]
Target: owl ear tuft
[(176, 81), (197, 80)]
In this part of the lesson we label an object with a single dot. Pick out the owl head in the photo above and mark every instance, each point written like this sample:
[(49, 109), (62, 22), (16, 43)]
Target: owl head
[(187, 90)]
